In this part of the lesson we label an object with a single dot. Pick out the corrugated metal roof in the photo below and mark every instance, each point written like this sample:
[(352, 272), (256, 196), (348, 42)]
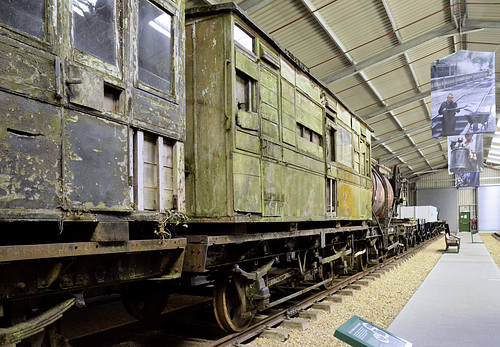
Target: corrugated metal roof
[(376, 56)]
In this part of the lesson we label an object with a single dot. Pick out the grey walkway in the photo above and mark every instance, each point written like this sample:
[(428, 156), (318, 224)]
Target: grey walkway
[(458, 304)]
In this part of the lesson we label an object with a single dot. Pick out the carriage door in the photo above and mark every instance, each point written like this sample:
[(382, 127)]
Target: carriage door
[(96, 138), (30, 115)]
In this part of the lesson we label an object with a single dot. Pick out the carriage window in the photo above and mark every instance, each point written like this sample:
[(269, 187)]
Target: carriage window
[(245, 92), (27, 16), (94, 28), (155, 47), (344, 146), (243, 39)]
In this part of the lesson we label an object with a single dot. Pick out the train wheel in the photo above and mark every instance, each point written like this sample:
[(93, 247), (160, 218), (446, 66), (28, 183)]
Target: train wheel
[(231, 306), (144, 301)]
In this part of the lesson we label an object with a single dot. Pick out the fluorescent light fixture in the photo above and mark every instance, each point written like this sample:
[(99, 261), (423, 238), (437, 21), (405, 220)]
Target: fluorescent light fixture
[(162, 24)]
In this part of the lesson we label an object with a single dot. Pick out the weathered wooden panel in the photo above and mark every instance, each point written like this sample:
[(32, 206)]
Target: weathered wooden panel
[(247, 142), (269, 97), (307, 86), (30, 160), (309, 147), (95, 164), (304, 194), (248, 120), (247, 183), (207, 146), (272, 150), (344, 115), (158, 115), (269, 112), (247, 65), (354, 201), (287, 71), (303, 161), (26, 71), (289, 136), (88, 93), (269, 80), (272, 182), (287, 91), (270, 129), (356, 125)]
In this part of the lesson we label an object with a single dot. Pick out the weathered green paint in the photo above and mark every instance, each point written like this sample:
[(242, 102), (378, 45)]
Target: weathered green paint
[(247, 120), (247, 65), (273, 173), (247, 142), (272, 180), (208, 141), (305, 84), (247, 183), (309, 147), (270, 129)]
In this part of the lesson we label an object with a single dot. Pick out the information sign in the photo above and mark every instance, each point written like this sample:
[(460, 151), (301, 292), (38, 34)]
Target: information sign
[(360, 333)]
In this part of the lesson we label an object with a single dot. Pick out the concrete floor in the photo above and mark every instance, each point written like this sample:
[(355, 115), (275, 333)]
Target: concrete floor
[(458, 304)]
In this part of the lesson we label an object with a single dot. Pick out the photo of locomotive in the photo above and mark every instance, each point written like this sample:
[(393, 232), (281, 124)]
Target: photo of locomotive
[(141, 145)]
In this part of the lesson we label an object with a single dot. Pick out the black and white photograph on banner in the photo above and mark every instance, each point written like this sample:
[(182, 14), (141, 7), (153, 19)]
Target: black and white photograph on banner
[(465, 153), (467, 179), (463, 94)]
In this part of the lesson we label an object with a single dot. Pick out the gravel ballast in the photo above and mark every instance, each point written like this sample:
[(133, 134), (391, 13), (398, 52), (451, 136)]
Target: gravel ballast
[(380, 302)]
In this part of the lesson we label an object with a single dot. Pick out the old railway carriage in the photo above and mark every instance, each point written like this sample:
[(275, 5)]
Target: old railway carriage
[(92, 130), (278, 177)]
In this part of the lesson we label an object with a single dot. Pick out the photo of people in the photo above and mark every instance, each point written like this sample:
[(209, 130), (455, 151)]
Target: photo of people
[(465, 153), (468, 179), (463, 94)]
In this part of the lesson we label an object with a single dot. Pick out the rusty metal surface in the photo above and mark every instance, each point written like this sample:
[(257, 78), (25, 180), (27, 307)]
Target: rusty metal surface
[(26, 252)]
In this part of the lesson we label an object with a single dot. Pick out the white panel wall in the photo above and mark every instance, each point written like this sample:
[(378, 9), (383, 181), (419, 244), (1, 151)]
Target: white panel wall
[(489, 208), (446, 201)]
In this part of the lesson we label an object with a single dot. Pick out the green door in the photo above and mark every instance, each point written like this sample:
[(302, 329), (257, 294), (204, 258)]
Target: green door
[(464, 222)]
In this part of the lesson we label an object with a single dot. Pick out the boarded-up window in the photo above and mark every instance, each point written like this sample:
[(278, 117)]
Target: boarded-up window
[(153, 172), (344, 147)]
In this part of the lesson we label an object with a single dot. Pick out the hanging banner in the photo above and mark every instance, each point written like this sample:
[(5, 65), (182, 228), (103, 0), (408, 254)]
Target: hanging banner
[(468, 179), (463, 94), (465, 153)]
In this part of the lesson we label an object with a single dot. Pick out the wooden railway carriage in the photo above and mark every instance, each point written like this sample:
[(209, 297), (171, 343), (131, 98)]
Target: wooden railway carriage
[(278, 174), (92, 129)]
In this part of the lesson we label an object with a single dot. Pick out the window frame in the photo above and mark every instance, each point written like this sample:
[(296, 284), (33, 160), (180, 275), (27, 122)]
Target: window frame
[(339, 156), (171, 9), (96, 63), (49, 29)]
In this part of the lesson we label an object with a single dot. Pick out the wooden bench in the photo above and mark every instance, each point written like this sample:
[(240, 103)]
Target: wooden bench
[(451, 241)]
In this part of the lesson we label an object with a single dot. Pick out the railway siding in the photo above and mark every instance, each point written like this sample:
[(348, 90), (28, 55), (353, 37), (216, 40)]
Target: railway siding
[(379, 302)]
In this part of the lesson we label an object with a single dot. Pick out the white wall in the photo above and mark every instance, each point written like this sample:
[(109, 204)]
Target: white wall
[(489, 208), (446, 201)]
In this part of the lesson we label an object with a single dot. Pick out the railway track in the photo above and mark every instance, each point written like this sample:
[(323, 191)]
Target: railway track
[(194, 325)]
